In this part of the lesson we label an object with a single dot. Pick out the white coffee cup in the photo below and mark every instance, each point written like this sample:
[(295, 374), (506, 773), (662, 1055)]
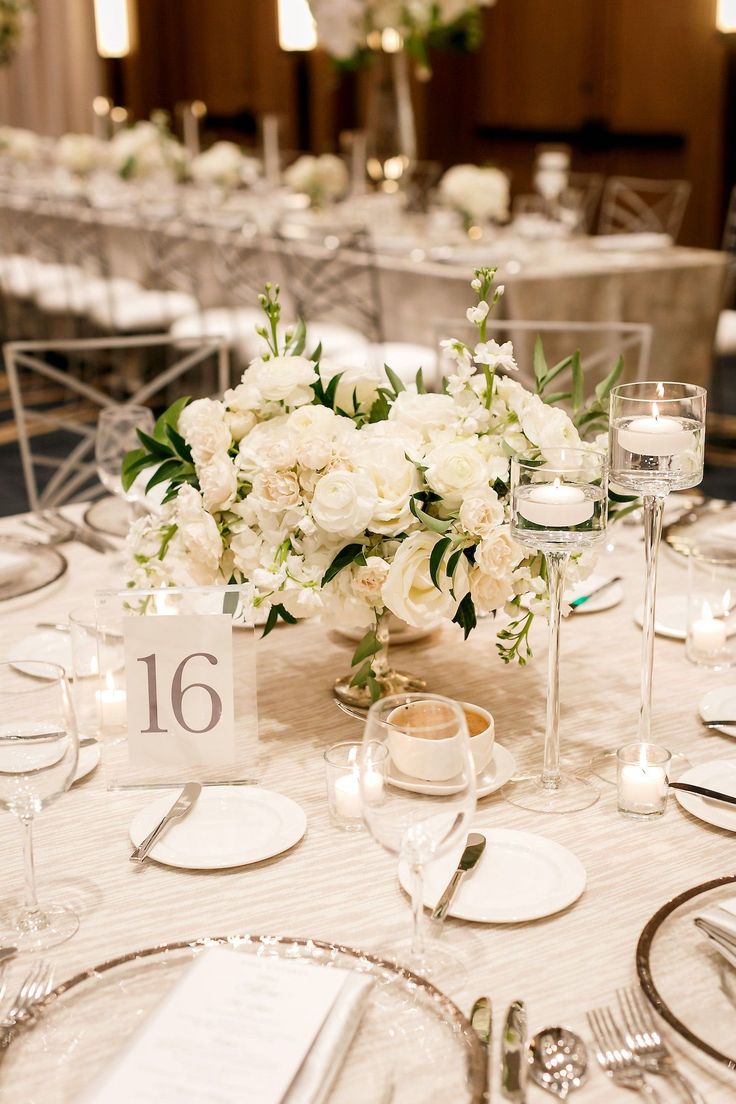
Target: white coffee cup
[(482, 740), (426, 753)]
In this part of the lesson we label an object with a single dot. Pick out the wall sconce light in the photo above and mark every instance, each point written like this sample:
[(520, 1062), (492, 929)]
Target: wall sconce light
[(113, 28), (297, 29), (726, 16)]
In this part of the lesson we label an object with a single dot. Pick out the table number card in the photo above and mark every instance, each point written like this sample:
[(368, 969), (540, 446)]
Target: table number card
[(179, 676)]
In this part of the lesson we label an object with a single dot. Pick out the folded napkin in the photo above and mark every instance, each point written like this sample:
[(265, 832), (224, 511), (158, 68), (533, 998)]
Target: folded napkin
[(240, 1027), (719, 925), (12, 565)]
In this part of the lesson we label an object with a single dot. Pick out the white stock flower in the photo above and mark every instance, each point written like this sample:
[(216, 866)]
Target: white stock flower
[(548, 427), (455, 468), (221, 164), (478, 314), (285, 379), (481, 512), (409, 591), (495, 355), (343, 502), (497, 554)]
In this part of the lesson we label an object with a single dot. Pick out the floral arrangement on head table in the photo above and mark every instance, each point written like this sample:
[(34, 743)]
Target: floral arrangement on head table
[(349, 496)]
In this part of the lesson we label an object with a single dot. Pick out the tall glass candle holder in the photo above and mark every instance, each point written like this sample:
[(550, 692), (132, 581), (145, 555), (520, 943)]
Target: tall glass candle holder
[(657, 441), (559, 506)]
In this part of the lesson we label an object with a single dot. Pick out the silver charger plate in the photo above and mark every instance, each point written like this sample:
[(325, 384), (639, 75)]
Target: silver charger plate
[(44, 566), (689, 984), (411, 1035), (711, 520), (108, 515)]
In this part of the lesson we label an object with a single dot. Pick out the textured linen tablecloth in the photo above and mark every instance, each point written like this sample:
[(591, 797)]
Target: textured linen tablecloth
[(342, 886)]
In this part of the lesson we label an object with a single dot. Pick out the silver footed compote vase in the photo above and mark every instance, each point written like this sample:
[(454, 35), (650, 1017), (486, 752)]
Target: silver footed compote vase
[(656, 446), (355, 690), (559, 506)]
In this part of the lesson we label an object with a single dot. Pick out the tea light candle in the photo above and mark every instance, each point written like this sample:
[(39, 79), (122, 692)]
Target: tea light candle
[(655, 436), (642, 779), (708, 636), (112, 706), (555, 505), (348, 800)]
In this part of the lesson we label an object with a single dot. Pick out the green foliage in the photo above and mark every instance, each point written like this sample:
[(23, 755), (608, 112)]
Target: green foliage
[(277, 611), (347, 555)]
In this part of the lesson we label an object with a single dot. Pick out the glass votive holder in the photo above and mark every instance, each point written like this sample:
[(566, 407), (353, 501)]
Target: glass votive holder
[(711, 610), (643, 780), (342, 775), (98, 665)]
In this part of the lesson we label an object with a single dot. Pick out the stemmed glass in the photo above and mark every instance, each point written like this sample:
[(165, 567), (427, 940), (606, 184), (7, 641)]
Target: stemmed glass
[(559, 507), (656, 445), (116, 436), (418, 822), (39, 748)]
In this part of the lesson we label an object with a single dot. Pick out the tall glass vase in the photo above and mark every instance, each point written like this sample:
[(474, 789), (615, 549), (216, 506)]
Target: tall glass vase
[(390, 127)]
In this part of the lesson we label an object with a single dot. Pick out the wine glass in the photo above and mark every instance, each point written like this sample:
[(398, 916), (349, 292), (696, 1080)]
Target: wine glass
[(116, 436), (418, 821), (39, 748), (559, 506)]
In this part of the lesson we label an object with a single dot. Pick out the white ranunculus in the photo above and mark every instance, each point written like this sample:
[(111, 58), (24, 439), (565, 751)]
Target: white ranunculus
[(455, 468), (356, 384), (218, 481), (479, 193), (221, 164), (343, 502), (285, 379), (321, 178), (481, 512), (368, 580), (276, 490), (239, 423), (425, 413), (409, 591), (79, 153), (314, 452), (487, 591), (497, 554), (395, 480), (200, 538)]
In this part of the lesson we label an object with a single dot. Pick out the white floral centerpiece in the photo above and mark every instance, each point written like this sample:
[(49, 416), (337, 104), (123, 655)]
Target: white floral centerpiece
[(20, 144), (324, 178), (80, 154), (223, 164), (353, 502), (147, 148), (480, 194)]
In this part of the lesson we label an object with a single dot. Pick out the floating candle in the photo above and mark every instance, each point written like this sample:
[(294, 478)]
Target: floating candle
[(555, 505), (655, 435)]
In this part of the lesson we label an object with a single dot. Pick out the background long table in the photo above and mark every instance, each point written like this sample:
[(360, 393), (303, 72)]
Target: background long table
[(342, 886)]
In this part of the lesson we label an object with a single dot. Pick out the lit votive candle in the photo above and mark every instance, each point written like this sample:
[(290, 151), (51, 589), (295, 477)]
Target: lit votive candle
[(655, 436), (344, 795), (642, 780), (555, 505), (112, 707), (707, 635)]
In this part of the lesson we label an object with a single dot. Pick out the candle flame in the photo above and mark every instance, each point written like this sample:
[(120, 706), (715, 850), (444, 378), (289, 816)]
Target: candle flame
[(110, 680), (707, 612), (643, 757), (727, 602), (557, 482), (655, 411), (660, 390)]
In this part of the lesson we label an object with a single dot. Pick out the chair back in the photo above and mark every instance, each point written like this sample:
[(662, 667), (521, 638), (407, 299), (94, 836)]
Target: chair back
[(634, 205)]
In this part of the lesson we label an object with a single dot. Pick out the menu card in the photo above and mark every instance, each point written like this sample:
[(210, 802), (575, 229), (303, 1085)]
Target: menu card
[(237, 1027)]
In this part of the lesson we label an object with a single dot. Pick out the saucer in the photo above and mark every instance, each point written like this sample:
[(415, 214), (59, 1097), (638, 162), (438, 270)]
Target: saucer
[(670, 617), (608, 598), (719, 774), (520, 877), (89, 757), (228, 826), (717, 704), (493, 776), (46, 646)]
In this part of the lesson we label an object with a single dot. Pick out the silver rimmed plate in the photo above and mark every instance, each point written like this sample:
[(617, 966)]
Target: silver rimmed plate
[(688, 982), (411, 1035), (109, 515), (36, 567)]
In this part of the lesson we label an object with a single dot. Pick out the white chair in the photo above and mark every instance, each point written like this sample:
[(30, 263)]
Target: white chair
[(726, 333), (56, 409), (634, 205)]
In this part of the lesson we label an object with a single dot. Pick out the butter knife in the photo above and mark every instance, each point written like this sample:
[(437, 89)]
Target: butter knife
[(513, 1054), (481, 1020), (474, 848), (183, 805), (703, 791)]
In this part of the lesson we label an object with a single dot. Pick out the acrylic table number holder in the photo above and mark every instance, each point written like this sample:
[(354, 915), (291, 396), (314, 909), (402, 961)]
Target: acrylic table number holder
[(182, 705)]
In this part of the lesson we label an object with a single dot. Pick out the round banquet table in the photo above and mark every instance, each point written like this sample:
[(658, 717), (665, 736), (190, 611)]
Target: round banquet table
[(343, 887)]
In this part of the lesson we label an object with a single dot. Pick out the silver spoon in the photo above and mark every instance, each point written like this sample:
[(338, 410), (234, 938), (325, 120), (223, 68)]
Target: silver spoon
[(558, 1061)]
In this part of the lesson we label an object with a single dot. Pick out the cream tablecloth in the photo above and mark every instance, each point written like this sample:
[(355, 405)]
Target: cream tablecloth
[(343, 887)]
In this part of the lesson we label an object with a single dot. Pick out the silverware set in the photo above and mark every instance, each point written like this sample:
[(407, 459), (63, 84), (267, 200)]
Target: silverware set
[(24, 1006), (57, 529)]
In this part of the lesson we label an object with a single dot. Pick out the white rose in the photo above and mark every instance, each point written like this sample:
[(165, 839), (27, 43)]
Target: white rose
[(357, 388), (199, 536), (319, 420), (497, 554), (481, 512), (277, 490), (202, 425), (367, 581), (488, 592), (454, 469), (283, 379), (409, 591), (343, 502), (218, 481), (258, 443), (395, 480), (425, 413)]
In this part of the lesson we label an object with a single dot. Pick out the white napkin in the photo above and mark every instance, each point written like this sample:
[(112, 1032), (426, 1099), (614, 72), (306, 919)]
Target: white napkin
[(12, 566), (719, 925)]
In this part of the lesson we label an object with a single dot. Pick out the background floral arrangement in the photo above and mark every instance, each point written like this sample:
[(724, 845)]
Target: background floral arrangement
[(479, 193), (17, 18), (323, 178), (351, 497), (345, 27)]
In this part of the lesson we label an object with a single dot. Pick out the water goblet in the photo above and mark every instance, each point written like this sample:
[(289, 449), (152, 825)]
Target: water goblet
[(559, 507), (39, 748), (418, 821), (116, 436), (656, 445)]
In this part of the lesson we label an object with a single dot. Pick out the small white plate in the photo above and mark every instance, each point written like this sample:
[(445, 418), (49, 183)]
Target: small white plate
[(46, 646), (607, 599), (520, 877), (89, 757), (493, 776), (720, 774), (670, 617), (719, 704), (228, 826)]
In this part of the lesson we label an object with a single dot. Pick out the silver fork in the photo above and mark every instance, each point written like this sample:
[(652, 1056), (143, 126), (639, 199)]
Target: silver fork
[(36, 985), (615, 1058), (648, 1046)]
